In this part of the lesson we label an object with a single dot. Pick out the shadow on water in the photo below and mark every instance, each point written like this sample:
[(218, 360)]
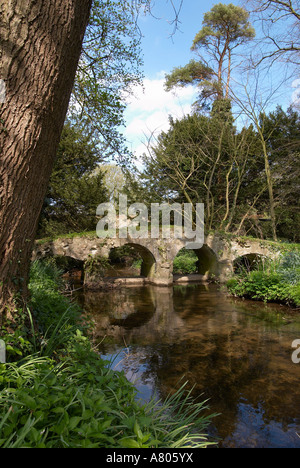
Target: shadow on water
[(236, 353)]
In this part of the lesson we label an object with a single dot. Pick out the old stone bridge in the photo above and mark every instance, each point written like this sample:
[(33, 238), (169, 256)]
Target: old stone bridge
[(216, 258)]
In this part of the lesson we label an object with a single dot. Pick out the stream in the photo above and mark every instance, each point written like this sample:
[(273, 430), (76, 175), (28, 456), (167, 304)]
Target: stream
[(236, 353)]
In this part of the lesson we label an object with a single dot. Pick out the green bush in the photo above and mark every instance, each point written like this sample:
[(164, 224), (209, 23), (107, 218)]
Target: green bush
[(185, 262), (278, 282), (289, 267)]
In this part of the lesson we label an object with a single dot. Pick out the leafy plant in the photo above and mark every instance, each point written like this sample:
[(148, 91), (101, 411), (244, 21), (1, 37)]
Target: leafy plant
[(81, 402), (273, 282), (185, 262)]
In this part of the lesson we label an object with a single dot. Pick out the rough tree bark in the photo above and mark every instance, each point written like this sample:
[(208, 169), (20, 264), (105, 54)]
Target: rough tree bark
[(41, 41)]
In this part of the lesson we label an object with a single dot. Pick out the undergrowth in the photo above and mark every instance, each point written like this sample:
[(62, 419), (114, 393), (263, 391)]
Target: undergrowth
[(273, 281)]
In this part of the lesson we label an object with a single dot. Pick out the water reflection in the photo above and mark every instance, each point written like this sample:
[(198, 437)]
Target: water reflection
[(237, 354)]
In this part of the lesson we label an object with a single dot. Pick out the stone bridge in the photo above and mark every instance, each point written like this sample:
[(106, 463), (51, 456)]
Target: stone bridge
[(216, 257)]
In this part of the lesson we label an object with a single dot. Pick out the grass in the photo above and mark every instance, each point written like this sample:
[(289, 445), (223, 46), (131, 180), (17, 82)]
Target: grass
[(56, 392), (70, 235)]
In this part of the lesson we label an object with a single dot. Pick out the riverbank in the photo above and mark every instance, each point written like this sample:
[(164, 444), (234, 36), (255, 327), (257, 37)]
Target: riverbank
[(56, 391), (273, 281)]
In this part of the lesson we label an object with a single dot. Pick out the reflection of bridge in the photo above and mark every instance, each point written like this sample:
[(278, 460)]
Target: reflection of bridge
[(215, 258)]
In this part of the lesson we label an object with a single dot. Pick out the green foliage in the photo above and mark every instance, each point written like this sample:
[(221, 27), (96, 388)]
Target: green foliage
[(56, 318), (109, 65), (49, 319), (281, 132), (191, 74), (81, 403), (225, 23), (185, 262), (123, 254), (77, 403), (16, 335), (96, 265), (278, 282), (74, 190)]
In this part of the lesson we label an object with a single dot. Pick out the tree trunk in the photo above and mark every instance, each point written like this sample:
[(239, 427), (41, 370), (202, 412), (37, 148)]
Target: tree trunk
[(270, 185), (41, 43)]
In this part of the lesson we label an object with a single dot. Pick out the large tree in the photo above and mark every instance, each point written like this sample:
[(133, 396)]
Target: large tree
[(225, 28), (40, 47)]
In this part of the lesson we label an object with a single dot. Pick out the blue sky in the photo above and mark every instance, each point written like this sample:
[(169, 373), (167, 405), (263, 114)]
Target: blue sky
[(147, 112)]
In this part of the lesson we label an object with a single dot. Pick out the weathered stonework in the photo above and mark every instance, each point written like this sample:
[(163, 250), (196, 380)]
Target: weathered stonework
[(216, 257)]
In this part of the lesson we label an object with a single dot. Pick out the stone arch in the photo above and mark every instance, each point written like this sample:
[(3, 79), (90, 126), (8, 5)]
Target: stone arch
[(148, 267), (248, 261), (207, 262)]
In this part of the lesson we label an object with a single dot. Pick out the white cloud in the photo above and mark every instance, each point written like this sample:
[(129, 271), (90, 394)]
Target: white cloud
[(149, 110), (296, 93)]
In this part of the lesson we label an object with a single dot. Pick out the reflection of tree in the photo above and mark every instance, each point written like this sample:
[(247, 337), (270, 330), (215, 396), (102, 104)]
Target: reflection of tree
[(226, 358)]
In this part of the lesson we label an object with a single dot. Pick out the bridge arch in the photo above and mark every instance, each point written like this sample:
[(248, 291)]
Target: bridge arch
[(206, 262), (148, 266), (249, 262)]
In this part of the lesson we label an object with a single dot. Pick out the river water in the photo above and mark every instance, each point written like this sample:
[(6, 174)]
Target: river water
[(237, 354)]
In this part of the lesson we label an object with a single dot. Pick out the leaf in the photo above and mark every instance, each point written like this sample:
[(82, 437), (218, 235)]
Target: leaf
[(87, 414), (74, 421), (58, 410), (137, 431), (129, 443), (29, 401)]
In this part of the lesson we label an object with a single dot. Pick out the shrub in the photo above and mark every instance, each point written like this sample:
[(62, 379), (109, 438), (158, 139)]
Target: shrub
[(185, 262), (289, 267), (279, 282)]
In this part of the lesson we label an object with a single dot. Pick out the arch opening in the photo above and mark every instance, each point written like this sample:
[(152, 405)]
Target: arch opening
[(196, 262), (72, 268), (131, 260), (248, 262)]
